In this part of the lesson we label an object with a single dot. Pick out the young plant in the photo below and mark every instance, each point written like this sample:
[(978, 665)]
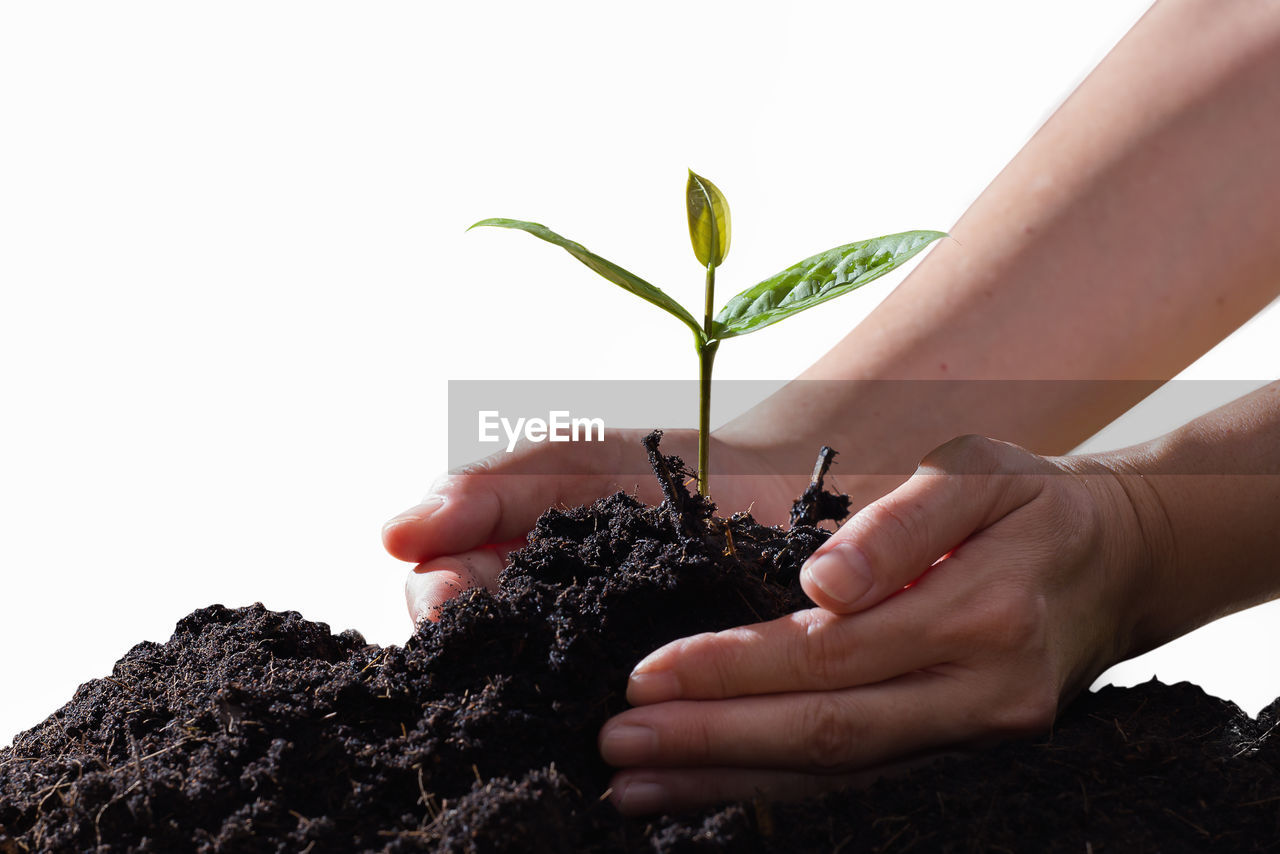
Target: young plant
[(814, 280)]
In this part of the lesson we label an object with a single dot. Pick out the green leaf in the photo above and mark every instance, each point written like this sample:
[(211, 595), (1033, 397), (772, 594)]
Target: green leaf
[(709, 229), (815, 280), (608, 269)]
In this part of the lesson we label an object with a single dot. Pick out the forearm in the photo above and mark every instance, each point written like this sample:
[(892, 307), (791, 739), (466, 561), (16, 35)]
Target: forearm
[(1133, 232), (1207, 500)]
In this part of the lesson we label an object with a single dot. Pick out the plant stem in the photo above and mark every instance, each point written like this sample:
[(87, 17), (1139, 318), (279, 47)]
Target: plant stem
[(706, 357)]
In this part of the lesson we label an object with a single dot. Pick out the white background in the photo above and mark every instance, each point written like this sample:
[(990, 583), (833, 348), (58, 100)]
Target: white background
[(235, 279)]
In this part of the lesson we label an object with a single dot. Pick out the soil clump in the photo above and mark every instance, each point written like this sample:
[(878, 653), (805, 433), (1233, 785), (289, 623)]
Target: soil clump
[(257, 731)]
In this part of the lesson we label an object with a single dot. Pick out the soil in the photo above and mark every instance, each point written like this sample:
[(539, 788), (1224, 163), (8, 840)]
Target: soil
[(257, 731)]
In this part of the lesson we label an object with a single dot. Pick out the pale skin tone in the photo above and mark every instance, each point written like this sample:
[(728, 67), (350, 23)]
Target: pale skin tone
[(1137, 228)]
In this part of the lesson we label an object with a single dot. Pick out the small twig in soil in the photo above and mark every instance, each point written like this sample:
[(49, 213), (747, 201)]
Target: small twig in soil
[(764, 814), (557, 775), (666, 479), (673, 491), (728, 540), (817, 504), (1188, 822), (48, 793), (1252, 743), (894, 838), (427, 799), (1261, 802), (825, 457), (759, 619)]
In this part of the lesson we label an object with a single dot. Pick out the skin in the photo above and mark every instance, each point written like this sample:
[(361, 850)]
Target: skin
[(1148, 203)]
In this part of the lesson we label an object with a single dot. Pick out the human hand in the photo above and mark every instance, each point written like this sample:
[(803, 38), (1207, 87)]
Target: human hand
[(461, 533), (908, 653)]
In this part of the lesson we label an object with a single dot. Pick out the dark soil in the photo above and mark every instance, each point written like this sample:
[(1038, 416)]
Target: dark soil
[(253, 731)]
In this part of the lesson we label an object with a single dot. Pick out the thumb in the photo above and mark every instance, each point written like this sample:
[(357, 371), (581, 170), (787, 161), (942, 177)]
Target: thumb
[(960, 488), (499, 498)]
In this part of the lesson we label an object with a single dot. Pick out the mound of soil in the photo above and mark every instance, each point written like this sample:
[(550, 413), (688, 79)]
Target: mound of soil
[(255, 731)]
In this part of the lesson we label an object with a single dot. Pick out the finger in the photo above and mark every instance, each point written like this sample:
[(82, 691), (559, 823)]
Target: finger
[(433, 583), (642, 791), (823, 731), (972, 607), (811, 650), (500, 498), (961, 487), (659, 790)]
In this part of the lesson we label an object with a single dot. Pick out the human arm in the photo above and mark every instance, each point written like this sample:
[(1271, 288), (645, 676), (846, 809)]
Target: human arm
[(1131, 233), (1134, 231)]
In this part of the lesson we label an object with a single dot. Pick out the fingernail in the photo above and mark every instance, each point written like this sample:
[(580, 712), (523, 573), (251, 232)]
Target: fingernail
[(841, 572), (642, 798), (424, 609), (652, 686), (415, 598), (429, 505), (628, 744), (427, 592)]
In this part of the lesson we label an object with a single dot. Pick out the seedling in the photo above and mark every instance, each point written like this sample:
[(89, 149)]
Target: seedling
[(814, 280)]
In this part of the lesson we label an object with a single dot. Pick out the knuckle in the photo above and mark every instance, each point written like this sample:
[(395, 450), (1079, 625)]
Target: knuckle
[(1021, 620), (522, 455), (462, 473), (828, 730), (467, 482), (815, 652), (457, 482), (1009, 624), (1031, 710), (976, 454), (699, 739), (484, 465), (1016, 637), (903, 527), (718, 655), (965, 454)]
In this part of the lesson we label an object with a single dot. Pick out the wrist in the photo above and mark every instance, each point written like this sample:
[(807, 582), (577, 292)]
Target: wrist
[(879, 432), (1159, 603)]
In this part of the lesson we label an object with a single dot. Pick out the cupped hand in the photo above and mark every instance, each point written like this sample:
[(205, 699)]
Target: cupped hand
[(461, 533), (962, 608)]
